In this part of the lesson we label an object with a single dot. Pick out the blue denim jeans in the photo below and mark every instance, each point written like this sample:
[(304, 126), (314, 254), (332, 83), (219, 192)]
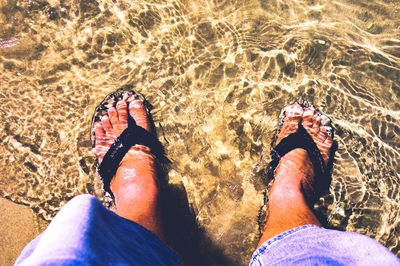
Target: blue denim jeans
[(314, 245), (86, 233)]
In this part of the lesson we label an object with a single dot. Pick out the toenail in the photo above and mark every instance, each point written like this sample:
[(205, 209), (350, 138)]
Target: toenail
[(325, 121), (136, 104)]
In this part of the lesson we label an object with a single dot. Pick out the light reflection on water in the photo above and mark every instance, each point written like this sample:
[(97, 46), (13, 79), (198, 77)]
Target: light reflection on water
[(217, 73)]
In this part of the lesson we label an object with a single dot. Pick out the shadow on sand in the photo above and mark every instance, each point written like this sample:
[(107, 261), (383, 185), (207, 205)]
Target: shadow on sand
[(185, 235)]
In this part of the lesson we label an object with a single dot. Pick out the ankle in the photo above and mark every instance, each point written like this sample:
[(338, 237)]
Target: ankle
[(292, 171), (286, 194)]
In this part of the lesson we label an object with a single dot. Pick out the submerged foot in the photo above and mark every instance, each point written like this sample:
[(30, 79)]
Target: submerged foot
[(116, 121), (139, 161), (135, 185), (295, 168), (295, 184)]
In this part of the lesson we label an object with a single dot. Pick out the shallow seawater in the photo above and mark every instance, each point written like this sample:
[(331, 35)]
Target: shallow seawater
[(218, 74)]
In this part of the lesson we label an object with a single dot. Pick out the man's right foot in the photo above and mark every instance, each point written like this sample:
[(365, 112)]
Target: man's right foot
[(292, 192), (295, 167)]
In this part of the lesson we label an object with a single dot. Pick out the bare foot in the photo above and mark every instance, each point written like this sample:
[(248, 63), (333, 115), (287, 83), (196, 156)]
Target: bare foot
[(296, 166), (135, 185)]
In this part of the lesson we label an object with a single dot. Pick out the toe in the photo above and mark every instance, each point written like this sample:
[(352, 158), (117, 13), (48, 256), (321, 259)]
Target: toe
[(308, 117), (108, 128), (325, 121), (101, 145), (293, 115), (322, 134), (329, 136), (113, 115), (122, 108), (138, 112), (122, 123), (324, 127), (294, 112), (100, 134), (316, 123), (324, 143)]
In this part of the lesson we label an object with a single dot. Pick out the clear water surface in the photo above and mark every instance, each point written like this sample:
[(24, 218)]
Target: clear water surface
[(217, 73)]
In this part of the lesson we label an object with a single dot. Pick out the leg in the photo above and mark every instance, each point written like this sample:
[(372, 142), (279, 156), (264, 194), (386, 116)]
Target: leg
[(84, 232), (294, 176), (135, 185)]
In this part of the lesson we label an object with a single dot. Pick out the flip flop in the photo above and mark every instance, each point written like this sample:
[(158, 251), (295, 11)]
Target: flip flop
[(131, 136), (301, 139)]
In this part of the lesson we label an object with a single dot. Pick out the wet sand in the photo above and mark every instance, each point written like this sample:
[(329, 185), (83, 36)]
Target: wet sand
[(18, 226)]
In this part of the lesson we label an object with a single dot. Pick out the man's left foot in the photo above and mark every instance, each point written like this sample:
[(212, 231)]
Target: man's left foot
[(135, 185)]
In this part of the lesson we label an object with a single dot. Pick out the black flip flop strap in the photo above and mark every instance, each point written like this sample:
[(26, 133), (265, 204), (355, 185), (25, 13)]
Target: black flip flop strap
[(132, 135), (301, 139)]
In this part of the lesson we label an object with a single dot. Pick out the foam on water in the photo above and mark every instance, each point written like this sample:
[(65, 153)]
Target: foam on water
[(217, 73)]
